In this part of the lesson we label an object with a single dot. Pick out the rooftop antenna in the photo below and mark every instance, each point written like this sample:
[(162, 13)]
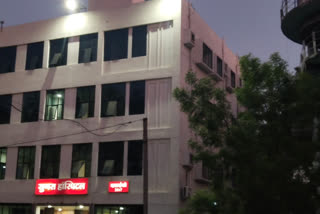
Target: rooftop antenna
[(1, 25)]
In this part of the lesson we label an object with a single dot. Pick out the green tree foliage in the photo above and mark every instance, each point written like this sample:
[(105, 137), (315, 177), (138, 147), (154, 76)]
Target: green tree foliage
[(265, 160)]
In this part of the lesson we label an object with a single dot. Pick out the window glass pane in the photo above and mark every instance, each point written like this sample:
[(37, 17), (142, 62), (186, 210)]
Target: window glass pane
[(116, 44), (233, 79), (30, 106), (135, 157), (54, 105), (8, 59), (123, 209), (137, 97), (139, 41), (3, 161), (207, 55), (50, 162), (81, 160), (15, 209), (85, 102), (220, 67), (34, 55), (110, 159), (25, 164), (58, 52), (5, 108), (88, 48), (113, 99)]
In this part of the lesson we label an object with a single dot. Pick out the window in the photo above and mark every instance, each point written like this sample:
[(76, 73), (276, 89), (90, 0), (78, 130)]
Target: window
[(219, 61), (132, 209), (110, 159), (8, 59), (85, 102), (25, 164), (58, 52), (88, 48), (34, 56), (81, 160), (233, 79), (15, 209), (30, 107), (207, 55), (5, 108), (54, 105), (135, 152), (139, 41), (240, 82), (113, 99), (137, 97), (50, 162), (116, 44), (3, 161)]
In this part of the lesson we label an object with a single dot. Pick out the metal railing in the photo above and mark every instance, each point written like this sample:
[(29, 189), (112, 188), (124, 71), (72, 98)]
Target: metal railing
[(288, 5), (310, 46)]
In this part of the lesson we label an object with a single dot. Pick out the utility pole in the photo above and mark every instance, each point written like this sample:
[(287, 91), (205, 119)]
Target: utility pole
[(145, 166)]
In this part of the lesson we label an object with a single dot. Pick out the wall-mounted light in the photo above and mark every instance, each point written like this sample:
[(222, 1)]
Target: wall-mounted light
[(71, 5), (49, 206), (81, 206)]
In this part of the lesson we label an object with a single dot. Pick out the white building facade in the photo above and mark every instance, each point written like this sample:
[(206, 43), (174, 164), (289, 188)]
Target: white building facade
[(73, 93)]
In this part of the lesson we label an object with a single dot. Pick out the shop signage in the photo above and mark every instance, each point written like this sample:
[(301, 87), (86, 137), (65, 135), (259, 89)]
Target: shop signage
[(118, 186), (77, 186)]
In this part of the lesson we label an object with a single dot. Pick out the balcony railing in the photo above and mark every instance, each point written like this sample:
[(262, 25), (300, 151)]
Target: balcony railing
[(311, 46), (288, 5)]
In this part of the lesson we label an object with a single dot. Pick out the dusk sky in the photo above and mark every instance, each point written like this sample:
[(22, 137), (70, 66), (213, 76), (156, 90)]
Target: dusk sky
[(248, 26)]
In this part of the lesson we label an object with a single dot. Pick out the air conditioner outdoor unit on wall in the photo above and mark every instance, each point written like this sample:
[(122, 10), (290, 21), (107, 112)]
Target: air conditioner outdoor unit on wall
[(189, 38)]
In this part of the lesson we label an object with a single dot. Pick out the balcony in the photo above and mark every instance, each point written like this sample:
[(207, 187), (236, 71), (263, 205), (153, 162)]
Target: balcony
[(297, 15), (311, 49)]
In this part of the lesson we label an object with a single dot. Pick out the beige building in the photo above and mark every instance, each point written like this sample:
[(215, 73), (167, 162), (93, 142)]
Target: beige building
[(73, 93)]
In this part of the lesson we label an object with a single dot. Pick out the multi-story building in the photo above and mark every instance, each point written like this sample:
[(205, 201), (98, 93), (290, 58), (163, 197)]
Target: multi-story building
[(300, 22), (73, 93)]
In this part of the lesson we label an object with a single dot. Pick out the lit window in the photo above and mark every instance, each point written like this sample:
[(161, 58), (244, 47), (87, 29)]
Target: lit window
[(88, 48), (8, 59), (113, 99), (81, 160), (3, 161), (135, 157), (50, 162), (116, 44), (5, 108), (34, 56), (139, 41), (30, 107), (219, 66), (85, 102), (110, 159), (54, 105), (58, 52), (137, 97), (233, 79), (207, 55), (25, 164)]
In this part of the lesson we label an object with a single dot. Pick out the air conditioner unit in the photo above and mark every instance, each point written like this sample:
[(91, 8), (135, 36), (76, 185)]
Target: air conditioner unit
[(188, 38), (185, 192)]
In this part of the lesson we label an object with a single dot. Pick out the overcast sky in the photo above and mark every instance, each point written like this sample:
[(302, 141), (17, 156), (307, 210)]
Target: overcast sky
[(248, 26)]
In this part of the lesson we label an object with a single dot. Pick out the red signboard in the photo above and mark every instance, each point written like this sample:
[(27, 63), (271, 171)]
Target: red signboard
[(77, 186), (118, 186)]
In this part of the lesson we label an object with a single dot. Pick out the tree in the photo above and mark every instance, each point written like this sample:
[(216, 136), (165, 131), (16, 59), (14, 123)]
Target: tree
[(269, 152)]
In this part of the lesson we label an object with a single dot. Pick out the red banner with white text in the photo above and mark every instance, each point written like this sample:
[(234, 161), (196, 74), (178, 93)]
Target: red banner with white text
[(77, 186), (118, 186)]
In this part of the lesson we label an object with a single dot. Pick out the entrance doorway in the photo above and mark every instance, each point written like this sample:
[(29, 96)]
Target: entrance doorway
[(52, 209)]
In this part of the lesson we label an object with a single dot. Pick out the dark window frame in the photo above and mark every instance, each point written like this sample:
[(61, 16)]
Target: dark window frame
[(207, 56), (5, 108), (219, 66), (81, 153), (30, 109), (55, 59), (137, 99), (114, 92), (90, 101), (139, 41), (26, 161), (135, 158), (111, 167), (50, 160), (3, 162), (88, 46), (60, 105), (34, 57), (233, 79), (116, 44), (8, 57)]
